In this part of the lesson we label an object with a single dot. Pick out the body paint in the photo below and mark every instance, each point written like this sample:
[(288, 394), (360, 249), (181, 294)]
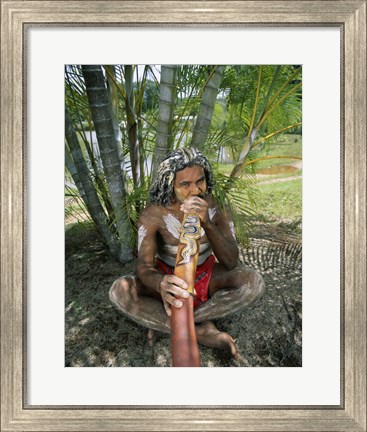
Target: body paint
[(231, 225), (141, 235), (173, 225), (212, 212)]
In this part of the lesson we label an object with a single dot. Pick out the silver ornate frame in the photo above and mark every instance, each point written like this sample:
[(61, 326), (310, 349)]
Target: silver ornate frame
[(350, 17)]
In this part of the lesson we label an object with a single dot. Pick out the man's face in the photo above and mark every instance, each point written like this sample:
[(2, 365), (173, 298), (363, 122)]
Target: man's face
[(190, 182)]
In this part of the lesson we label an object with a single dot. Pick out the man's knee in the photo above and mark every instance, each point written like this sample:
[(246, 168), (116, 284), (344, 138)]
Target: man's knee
[(121, 291), (251, 284), (256, 281)]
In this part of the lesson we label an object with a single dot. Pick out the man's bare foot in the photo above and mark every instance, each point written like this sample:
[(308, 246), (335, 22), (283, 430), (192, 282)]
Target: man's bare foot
[(153, 336), (208, 335)]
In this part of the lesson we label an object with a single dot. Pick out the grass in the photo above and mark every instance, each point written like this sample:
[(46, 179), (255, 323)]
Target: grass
[(265, 177), (287, 145), (280, 200)]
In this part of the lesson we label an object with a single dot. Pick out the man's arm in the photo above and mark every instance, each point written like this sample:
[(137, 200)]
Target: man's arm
[(148, 227)]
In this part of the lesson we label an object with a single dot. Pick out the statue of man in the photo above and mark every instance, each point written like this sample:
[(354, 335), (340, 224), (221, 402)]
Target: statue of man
[(223, 286)]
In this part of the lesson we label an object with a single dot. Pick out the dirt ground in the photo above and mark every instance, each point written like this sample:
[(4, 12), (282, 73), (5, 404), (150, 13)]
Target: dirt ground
[(268, 333)]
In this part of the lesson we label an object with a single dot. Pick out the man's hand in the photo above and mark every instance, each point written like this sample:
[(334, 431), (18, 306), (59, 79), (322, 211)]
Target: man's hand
[(172, 286), (197, 206)]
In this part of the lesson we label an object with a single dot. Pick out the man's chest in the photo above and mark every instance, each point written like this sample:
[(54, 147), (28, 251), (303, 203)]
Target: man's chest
[(170, 229)]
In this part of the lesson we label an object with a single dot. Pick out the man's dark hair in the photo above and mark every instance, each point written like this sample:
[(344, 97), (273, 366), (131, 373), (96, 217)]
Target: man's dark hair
[(161, 192)]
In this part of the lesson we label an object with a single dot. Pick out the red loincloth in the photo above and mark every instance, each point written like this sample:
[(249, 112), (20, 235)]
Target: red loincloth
[(202, 278)]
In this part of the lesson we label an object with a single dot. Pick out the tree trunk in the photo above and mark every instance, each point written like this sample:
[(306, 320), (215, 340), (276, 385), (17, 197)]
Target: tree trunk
[(132, 127), (167, 97), (111, 85), (206, 110), (86, 187), (101, 110), (69, 164)]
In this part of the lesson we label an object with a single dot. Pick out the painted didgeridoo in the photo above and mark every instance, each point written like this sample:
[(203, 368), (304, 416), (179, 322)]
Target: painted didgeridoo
[(184, 346)]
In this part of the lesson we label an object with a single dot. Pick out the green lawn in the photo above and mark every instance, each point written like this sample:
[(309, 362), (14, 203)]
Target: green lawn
[(288, 145), (280, 200)]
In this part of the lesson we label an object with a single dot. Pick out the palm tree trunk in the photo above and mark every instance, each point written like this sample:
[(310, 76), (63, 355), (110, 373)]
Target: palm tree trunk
[(167, 97), (206, 109), (80, 173), (132, 127), (139, 101), (69, 164), (101, 110), (111, 84)]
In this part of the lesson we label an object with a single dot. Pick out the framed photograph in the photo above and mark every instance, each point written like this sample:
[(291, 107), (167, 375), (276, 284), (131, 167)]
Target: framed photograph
[(328, 38)]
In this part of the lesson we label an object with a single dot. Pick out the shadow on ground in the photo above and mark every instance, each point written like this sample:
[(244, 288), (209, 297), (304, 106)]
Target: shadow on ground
[(268, 333)]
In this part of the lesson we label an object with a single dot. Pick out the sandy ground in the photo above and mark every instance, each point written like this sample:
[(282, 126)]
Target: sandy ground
[(268, 333)]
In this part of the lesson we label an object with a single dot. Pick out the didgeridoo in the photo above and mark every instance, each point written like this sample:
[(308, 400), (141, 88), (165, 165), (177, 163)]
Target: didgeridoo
[(184, 346)]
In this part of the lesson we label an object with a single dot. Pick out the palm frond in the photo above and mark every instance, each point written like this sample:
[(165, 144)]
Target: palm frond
[(239, 196)]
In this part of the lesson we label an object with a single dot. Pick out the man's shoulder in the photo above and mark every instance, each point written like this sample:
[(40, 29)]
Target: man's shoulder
[(152, 210), (216, 209), (212, 203), (150, 217)]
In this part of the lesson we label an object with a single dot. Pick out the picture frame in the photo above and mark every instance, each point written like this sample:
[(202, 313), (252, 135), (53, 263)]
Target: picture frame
[(17, 17)]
